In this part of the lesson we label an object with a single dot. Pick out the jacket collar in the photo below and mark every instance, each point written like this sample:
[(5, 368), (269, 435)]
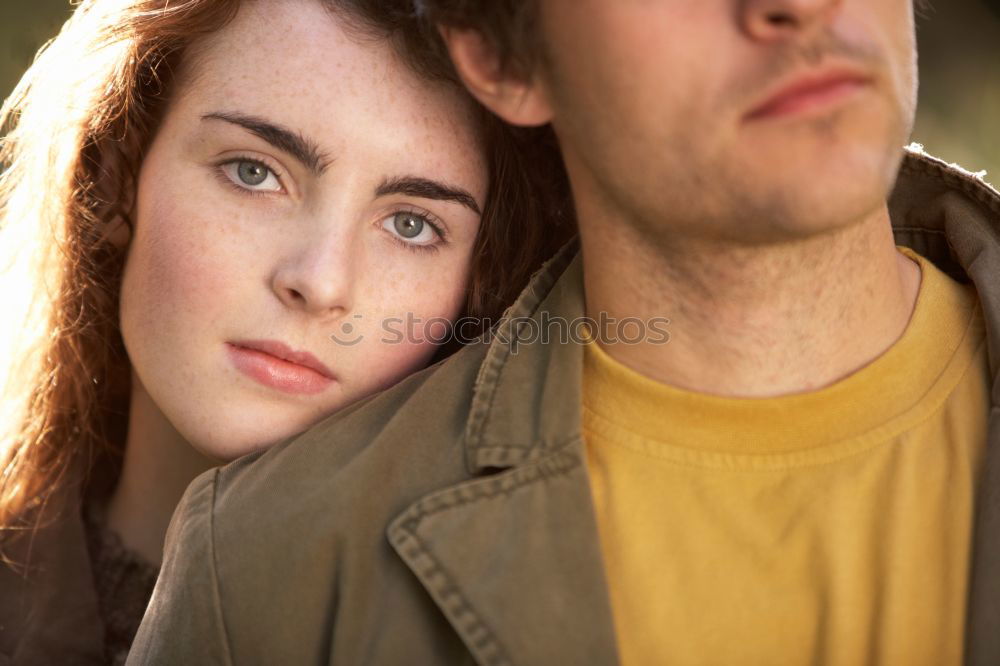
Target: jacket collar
[(513, 558), (953, 218), (528, 390)]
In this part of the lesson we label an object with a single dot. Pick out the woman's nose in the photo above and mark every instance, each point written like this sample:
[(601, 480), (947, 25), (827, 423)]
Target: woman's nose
[(771, 20), (317, 277)]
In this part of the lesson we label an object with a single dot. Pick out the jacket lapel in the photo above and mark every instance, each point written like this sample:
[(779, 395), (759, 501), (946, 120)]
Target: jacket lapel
[(512, 558), (513, 562)]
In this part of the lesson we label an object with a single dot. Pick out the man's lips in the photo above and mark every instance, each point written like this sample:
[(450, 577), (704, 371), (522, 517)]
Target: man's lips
[(811, 91), (275, 364)]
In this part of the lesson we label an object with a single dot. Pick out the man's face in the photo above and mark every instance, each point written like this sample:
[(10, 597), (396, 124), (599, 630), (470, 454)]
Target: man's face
[(746, 120)]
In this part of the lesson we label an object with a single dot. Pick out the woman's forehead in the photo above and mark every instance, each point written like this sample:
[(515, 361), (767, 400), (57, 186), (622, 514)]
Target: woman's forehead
[(297, 62)]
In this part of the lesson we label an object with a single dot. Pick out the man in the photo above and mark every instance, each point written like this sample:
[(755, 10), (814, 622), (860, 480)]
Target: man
[(804, 473)]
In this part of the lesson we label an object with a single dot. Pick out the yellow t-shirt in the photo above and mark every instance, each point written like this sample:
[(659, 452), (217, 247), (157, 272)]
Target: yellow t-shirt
[(830, 527)]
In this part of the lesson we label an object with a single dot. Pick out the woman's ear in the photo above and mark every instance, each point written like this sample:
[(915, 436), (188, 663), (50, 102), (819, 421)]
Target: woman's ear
[(518, 100)]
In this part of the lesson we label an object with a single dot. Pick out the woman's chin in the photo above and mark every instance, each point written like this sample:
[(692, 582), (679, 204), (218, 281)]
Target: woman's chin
[(227, 441), (223, 452)]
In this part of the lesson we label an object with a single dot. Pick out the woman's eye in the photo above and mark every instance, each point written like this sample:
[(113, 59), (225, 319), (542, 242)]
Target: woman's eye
[(252, 175), (412, 228)]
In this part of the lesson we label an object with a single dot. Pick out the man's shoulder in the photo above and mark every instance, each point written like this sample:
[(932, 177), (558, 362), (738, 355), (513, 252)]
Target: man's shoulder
[(285, 528), (408, 437)]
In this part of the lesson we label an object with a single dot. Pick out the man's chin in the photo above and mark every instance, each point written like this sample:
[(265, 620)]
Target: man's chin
[(793, 209), (844, 180)]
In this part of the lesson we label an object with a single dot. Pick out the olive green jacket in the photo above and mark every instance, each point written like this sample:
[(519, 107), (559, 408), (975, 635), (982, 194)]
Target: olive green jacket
[(448, 520)]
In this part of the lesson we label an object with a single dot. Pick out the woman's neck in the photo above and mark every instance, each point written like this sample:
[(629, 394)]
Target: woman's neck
[(158, 465)]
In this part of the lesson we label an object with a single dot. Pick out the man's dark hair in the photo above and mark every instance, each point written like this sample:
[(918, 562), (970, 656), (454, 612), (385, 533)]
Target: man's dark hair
[(508, 25)]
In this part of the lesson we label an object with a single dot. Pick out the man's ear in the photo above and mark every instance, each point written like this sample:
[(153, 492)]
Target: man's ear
[(519, 100)]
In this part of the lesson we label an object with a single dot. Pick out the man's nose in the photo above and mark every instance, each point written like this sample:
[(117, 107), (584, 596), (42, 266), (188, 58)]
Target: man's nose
[(773, 20)]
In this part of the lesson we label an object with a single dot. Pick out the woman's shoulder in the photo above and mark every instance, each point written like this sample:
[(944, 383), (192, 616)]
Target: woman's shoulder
[(123, 582), (49, 610)]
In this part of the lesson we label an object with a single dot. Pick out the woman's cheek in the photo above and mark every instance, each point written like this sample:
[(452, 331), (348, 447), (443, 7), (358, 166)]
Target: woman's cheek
[(179, 272), (396, 323), (170, 269)]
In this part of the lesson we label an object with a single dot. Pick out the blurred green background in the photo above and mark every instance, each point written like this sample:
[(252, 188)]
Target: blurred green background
[(958, 116)]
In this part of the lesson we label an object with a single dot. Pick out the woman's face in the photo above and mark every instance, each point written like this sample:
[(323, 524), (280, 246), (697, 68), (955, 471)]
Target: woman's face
[(306, 197)]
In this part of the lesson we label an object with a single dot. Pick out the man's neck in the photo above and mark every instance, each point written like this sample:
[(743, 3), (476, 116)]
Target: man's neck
[(158, 466), (753, 322)]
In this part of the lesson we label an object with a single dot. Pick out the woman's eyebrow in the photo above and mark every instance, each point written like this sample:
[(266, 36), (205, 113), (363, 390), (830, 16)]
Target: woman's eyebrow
[(427, 189), (294, 143)]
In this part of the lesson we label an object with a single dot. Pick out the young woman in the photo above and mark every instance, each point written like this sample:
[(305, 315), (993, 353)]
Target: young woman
[(222, 221)]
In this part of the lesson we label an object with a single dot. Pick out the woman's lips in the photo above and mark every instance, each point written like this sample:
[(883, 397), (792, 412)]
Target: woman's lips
[(275, 365)]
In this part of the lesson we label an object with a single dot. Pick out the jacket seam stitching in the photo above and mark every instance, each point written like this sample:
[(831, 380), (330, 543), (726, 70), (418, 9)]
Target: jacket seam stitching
[(557, 445), (982, 192), (558, 464), (449, 590), (501, 364), (479, 421), (216, 591)]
